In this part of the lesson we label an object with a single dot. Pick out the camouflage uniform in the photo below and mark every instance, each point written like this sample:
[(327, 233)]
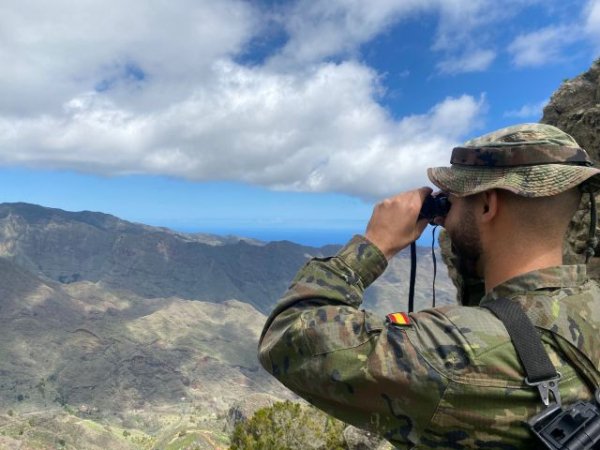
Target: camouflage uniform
[(450, 377)]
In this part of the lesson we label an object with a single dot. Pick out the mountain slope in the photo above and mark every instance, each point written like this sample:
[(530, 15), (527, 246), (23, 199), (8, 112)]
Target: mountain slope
[(142, 365), (155, 262), (148, 261), (123, 336)]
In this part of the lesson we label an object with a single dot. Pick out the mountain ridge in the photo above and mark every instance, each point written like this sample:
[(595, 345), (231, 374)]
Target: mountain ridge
[(68, 247)]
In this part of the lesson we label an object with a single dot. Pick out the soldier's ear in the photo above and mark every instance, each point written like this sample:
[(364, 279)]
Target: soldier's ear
[(489, 205)]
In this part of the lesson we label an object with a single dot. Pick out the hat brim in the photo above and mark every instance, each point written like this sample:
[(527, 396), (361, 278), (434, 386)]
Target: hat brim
[(527, 181)]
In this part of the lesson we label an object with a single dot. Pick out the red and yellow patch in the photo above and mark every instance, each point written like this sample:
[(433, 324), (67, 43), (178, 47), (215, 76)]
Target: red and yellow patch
[(399, 318)]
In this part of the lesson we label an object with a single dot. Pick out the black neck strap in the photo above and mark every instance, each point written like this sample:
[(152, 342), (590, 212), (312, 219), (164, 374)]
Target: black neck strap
[(413, 276)]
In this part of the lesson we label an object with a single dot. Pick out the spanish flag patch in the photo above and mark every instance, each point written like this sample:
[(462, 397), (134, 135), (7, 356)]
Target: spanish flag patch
[(399, 318)]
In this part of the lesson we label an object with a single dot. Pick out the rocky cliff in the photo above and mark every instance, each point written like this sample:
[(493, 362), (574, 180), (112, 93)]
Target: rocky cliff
[(575, 109)]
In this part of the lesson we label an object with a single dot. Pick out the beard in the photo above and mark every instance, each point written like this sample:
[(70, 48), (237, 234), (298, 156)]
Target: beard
[(466, 243)]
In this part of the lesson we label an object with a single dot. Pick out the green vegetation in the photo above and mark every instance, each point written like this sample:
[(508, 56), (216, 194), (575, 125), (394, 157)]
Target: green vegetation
[(288, 426)]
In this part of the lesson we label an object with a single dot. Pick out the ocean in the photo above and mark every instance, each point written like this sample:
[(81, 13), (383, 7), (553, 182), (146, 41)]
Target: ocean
[(310, 237)]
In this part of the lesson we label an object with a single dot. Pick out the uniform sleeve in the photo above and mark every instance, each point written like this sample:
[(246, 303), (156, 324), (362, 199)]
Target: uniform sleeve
[(347, 361)]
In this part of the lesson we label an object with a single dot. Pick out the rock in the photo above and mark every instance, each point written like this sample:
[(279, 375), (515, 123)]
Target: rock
[(357, 439), (575, 109)]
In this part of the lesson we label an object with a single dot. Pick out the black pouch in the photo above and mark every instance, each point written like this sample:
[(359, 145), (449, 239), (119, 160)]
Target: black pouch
[(573, 427)]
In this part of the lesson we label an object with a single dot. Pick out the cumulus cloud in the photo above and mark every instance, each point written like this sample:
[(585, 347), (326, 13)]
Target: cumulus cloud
[(543, 46), (318, 132), (148, 88), (49, 53)]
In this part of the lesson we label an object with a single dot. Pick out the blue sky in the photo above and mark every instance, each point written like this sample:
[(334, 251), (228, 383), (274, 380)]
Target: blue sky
[(273, 119)]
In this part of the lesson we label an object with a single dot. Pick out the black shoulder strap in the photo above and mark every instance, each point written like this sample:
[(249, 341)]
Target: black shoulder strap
[(528, 344)]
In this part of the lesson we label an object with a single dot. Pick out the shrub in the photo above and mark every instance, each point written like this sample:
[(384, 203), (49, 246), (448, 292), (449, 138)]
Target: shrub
[(288, 426)]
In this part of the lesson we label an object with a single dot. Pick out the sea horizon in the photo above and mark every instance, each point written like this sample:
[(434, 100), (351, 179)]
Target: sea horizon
[(317, 237)]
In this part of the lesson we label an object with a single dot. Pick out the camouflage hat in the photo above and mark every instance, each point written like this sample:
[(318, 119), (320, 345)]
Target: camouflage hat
[(532, 160)]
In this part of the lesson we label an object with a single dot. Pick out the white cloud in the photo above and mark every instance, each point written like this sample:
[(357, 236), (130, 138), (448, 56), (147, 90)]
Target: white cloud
[(468, 31), (528, 111), (543, 46), (149, 88), (320, 29), (458, 19), (592, 20), (476, 61), (49, 53), (318, 131)]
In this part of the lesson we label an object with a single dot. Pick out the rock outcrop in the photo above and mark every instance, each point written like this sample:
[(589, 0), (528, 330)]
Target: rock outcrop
[(575, 109), (357, 439)]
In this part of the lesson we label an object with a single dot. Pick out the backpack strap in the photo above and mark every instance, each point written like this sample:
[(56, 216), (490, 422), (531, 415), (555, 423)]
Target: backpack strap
[(539, 370)]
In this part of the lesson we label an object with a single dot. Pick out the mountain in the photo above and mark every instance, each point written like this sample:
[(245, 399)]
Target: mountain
[(120, 363), (120, 335), (152, 262)]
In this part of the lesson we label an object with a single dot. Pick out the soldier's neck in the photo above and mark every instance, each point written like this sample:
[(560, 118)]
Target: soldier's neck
[(503, 262)]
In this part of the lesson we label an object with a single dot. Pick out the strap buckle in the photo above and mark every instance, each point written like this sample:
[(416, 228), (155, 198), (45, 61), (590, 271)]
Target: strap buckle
[(547, 386)]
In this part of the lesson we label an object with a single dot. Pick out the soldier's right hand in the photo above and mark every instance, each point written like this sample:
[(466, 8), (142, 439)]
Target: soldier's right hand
[(393, 225)]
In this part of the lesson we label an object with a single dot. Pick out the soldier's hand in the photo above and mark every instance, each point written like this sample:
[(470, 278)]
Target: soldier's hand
[(393, 225)]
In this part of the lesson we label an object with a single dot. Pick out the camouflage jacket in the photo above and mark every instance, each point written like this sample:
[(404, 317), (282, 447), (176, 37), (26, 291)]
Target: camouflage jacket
[(450, 378)]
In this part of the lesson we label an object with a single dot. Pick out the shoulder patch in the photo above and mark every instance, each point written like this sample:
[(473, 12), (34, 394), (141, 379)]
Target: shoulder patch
[(398, 318)]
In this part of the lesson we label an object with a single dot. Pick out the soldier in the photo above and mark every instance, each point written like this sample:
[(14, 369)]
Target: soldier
[(449, 377)]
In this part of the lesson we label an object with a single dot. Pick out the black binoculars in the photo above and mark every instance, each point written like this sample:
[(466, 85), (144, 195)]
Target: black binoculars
[(435, 206)]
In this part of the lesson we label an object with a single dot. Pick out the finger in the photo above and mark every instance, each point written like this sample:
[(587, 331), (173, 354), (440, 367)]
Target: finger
[(424, 192), (421, 225)]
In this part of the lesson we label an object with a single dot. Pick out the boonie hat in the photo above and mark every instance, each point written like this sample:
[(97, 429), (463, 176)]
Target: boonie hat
[(531, 160)]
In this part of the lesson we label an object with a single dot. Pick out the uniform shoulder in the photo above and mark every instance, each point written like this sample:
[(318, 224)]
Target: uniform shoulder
[(463, 342)]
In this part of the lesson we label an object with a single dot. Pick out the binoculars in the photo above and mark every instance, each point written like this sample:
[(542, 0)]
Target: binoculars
[(435, 206)]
